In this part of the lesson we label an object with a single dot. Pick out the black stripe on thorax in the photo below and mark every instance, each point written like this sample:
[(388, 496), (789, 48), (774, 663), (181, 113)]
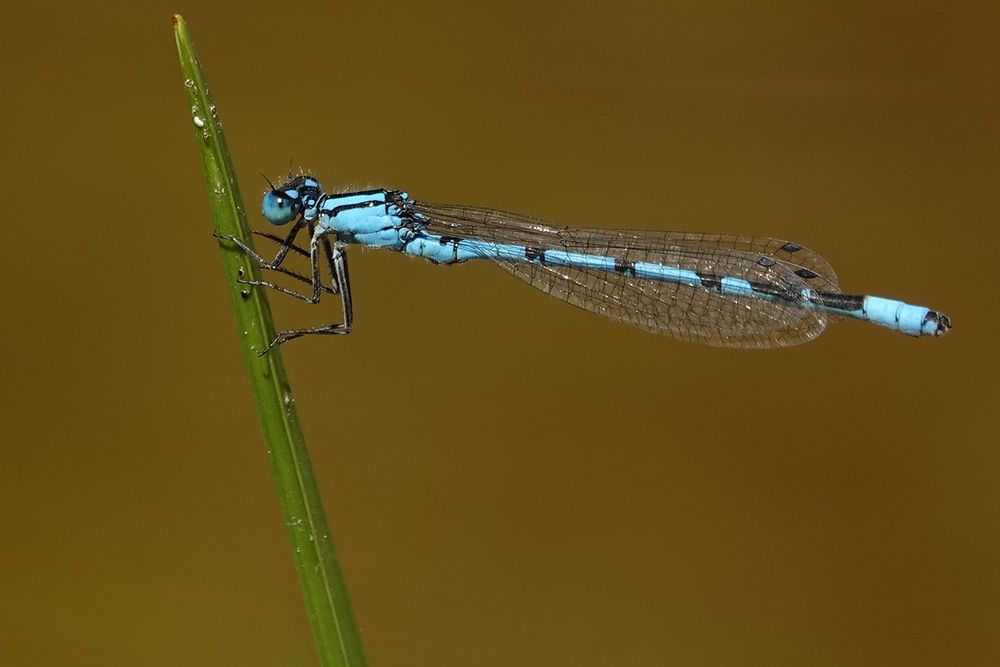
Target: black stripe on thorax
[(337, 210), (373, 191)]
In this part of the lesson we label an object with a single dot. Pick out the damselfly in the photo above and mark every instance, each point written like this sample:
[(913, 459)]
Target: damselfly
[(716, 289)]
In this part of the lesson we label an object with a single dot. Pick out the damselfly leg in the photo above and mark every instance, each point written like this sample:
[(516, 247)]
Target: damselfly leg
[(335, 255)]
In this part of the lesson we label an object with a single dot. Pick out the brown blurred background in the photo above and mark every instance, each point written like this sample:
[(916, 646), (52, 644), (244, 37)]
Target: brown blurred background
[(509, 480)]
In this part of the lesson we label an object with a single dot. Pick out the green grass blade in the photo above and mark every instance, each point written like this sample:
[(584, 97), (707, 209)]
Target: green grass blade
[(322, 583)]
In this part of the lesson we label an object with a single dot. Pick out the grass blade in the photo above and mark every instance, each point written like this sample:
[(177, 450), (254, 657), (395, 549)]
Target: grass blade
[(322, 583)]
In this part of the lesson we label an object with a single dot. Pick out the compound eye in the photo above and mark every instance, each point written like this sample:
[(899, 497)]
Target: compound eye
[(279, 208)]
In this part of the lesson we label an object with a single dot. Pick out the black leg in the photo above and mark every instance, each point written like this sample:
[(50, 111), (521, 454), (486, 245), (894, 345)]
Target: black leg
[(283, 290), (287, 244), (344, 280), (282, 251), (305, 253), (328, 253), (317, 285), (277, 239), (337, 256)]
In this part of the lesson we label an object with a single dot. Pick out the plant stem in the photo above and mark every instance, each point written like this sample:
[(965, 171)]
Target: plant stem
[(323, 588)]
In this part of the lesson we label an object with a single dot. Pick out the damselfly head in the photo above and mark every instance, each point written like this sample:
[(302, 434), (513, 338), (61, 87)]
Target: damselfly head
[(286, 202), (281, 206)]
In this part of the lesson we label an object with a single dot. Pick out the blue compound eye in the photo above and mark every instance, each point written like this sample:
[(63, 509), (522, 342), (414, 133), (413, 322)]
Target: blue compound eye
[(279, 207)]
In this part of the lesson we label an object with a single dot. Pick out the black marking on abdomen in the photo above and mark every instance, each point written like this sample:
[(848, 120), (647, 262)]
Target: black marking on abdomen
[(624, 266), (454, 241), (531, 253), (772, 290), (848, 302), (709, 281), (713, 282), (766, 261), (805, 273), (942, 322), (791, 247)]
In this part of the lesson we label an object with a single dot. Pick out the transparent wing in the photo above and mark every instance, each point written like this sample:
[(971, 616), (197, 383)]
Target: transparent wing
[(682, 311)]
